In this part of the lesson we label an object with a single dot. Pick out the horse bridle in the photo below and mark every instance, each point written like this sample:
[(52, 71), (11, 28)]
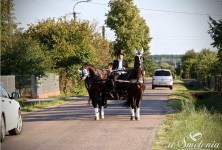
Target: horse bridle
[(141, 60), (139, 55)]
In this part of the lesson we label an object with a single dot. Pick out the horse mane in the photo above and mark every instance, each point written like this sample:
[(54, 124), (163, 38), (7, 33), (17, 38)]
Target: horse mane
[(98, 73)]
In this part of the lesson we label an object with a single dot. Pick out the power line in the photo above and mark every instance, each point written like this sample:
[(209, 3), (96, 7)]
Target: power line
[(180, 12), (180, 39), (169, 11), (98, 3)]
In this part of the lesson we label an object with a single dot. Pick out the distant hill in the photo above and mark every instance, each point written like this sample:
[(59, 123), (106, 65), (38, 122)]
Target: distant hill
[(171, 60)]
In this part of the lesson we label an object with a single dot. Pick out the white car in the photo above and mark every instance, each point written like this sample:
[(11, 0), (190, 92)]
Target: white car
[(162, 78), (11, 118)]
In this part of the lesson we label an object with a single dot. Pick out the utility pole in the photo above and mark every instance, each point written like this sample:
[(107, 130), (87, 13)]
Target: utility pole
[(103, 32)]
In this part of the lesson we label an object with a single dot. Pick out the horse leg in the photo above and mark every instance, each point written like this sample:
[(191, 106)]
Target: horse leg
[(137, 113), (96, 108), (101, 106), (89, 92), (138, 101), (102, 112), (132, 110), (89, 100)]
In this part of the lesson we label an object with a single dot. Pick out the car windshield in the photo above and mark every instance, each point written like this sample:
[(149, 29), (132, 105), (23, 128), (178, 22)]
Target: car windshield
[(3, 92), (162, 73)]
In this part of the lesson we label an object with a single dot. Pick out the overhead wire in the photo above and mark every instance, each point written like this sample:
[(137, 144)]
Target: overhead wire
[(176, 12), (159, 10), (169, 11)]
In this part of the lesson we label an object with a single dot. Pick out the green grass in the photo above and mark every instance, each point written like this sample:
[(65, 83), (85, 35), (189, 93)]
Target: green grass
[(211, 100), (180, 97), (28, 108), (58, 100), (192, 117), (40, 105)]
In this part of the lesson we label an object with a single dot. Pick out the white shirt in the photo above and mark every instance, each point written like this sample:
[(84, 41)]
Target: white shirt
[(120, 64)]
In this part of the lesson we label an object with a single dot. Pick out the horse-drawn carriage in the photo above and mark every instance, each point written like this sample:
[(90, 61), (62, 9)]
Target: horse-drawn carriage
[(116, 85), (103, 85)]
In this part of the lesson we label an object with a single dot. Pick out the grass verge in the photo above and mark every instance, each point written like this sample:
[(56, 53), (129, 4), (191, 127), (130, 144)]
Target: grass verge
[(194, 126), (40, 105)]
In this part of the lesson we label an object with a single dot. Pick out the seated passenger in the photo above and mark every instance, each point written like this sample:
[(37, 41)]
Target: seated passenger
[(110, 67)]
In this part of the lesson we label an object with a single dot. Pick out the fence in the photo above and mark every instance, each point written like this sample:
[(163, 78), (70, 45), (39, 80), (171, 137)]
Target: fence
[(31, 86), (25, 86), (213, 83)]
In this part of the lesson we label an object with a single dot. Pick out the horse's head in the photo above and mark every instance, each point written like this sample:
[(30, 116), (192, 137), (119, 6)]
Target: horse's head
[(138, 63), (84, 71)]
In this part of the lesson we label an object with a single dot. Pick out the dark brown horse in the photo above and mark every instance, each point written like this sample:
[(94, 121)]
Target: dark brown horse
[(95, 80), (136, 86)]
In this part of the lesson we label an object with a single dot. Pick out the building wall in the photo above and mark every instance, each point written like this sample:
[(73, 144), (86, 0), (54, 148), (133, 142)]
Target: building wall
[(8, 82), (48, 86), (31, 86)]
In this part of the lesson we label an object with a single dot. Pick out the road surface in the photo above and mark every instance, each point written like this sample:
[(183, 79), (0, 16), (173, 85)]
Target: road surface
[(71, 126)]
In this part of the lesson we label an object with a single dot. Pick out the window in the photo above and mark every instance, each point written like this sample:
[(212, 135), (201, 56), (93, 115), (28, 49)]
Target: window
[(3, 92), (162, 73)]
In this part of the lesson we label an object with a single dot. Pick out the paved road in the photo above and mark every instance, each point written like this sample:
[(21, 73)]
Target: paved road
[(71, 126)]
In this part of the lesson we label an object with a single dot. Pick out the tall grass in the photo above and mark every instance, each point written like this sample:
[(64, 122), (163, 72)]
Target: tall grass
[(177, 129)]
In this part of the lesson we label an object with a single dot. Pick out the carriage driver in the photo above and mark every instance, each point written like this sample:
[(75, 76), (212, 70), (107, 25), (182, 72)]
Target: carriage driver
[(120, 64)]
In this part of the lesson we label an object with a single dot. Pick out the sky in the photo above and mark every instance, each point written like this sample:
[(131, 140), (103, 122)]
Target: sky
[(176, 26)]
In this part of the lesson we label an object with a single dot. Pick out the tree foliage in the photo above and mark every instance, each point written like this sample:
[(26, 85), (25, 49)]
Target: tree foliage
[(69, 44), (130, 29), (206, 60), (19, 53), (53, 45), (189, 61), (24, 57), (67, 41), (202, 64), (102, 49), (169, 59), (6, 26), (216, 33)]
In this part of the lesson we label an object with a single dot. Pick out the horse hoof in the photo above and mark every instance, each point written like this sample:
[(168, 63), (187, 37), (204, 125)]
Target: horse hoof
[(132, 118), (138, 118), (102, 117), (96, 118)]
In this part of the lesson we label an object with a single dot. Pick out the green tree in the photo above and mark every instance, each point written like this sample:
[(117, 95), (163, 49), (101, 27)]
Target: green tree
[(70, 44), (216, 34), (19, 53), (7, 24), (101, 53), (24, 57), (206, 61), (189, 61), (67, 41), (149, 65), (130, 29)]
